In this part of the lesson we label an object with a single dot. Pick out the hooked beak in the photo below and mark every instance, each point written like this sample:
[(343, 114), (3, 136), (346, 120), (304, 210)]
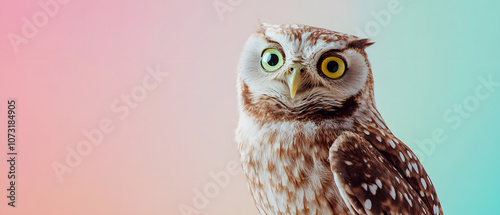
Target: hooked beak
[(293, 79)]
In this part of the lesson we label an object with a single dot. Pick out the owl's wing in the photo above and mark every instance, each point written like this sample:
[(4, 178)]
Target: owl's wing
[(369, 183)]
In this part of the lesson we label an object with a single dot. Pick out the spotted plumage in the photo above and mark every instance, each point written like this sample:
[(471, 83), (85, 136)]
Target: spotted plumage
[(310, 138)]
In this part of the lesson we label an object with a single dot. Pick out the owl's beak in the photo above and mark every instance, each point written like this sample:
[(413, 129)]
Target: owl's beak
[(293, 79)]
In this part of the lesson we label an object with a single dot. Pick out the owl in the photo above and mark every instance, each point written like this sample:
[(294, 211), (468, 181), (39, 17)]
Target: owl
[(310, 138)]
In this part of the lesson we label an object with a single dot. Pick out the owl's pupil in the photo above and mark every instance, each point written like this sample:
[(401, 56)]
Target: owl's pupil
[(273, 60), (332, 66)]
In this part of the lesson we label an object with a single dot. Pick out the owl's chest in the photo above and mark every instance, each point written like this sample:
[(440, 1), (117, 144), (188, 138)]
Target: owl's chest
[(288, 173)]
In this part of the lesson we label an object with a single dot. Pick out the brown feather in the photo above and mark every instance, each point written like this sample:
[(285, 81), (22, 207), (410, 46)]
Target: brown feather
[(284, 147)]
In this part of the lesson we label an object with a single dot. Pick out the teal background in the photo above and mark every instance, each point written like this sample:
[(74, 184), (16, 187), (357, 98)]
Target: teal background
[(426, 61)]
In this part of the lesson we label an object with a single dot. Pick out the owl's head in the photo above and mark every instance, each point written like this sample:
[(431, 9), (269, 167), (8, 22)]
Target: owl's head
[(290, 72)]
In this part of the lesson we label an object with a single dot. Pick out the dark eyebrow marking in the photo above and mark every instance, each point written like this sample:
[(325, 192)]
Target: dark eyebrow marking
[(360, 44)]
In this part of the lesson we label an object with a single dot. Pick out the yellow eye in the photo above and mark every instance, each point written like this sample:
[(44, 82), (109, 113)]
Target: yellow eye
[(333, 67), (271, 60)]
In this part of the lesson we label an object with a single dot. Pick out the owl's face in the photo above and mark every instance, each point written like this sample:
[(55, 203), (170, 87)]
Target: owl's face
[(297, 65)]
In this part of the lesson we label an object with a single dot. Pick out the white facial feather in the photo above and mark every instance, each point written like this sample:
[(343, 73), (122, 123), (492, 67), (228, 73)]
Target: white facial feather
[(307, 52)]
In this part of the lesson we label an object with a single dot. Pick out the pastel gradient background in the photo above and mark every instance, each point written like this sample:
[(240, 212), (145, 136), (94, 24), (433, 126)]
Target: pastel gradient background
[(427, 59)]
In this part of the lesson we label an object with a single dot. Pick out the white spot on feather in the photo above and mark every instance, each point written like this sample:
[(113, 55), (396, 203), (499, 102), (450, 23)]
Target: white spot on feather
[(349, 163), (377, 120), (402, 156), (423, 183), (364, 186), (409, 154), (392, 144), (436, 209), (368, 204), (366, 132), (393, 193), (379, 183), (415, 167), (409, 201), (379, 139), (373, 189)]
